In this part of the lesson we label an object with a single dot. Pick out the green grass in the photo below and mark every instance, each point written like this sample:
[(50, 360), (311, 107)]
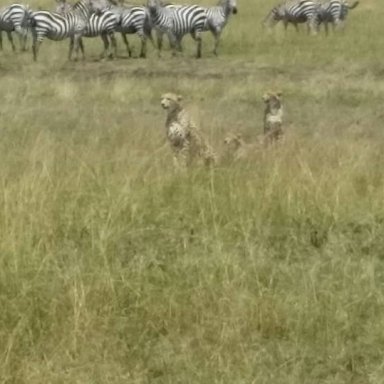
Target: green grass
[(114, 268)]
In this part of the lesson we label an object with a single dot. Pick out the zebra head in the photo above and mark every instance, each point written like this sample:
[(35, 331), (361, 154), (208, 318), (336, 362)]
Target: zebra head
[(230, 6), (151, 4), (274, 16)]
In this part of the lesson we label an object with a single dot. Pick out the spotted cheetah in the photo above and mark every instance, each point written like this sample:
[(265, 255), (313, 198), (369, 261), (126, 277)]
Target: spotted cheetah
[(273, 117), (238, 148), (186, 140)]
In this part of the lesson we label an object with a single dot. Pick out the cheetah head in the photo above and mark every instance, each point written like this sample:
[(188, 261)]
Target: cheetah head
[(170, 101), (273, 100), (233, 141)]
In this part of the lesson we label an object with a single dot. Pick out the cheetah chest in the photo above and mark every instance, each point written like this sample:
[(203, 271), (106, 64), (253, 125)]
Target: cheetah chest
[(177, 134)]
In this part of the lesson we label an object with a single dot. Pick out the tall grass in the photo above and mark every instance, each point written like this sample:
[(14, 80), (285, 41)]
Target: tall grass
[(115, 268)]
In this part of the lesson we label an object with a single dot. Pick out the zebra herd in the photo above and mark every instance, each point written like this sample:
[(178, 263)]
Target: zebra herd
[(90, 18), (312, 12)]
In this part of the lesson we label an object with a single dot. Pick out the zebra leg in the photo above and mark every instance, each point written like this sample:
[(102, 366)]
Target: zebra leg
[(81, 45), (77, 43), (160, 41), (198, 39), (176, 44), (22, 34), (10, 38), (216, 35), (23, 41), (143, 52), (71, 43), (312, 26), (104, 38), (114, 44), (35, 44), (326, 29), (179, 47), (125, 40)]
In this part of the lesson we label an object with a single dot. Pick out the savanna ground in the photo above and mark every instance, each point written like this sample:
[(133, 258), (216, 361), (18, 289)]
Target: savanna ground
[(116, 269)]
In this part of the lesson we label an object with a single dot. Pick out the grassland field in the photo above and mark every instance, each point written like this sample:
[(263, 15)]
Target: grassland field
[(115, 269)]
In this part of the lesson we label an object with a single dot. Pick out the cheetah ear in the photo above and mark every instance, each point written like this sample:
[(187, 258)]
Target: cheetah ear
[(279, 94), (179, 97)]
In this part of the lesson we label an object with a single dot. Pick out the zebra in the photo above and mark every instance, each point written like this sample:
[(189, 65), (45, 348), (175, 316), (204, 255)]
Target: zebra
[(136, 19), (335, 12), (14, 18), (54, 26), (103, 24), (295, 12), (177, 21), (217, 18)]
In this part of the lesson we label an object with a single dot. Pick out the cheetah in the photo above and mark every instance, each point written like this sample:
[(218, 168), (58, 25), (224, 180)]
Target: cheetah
[(238, 148), (186, 140), (273, 117)]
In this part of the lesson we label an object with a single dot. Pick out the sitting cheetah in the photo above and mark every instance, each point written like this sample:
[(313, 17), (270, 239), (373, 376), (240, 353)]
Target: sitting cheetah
[(238, 148), (273, 117), (185, 138)]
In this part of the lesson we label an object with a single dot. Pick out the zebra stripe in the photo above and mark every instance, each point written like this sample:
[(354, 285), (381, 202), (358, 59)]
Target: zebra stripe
[(295, 12), (102, 24), (54, 26), (14, 18), (334, 12), (217, 18), (136, 19), (177, 21)]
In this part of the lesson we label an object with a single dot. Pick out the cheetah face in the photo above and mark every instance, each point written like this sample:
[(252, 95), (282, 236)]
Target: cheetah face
[(233, 141), (273, 100), (170, 101)]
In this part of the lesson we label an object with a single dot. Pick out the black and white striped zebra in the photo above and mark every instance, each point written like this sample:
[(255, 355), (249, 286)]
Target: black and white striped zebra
[(334, 12), (217, 18), (14, 18), (177, 21), (294, 12), (103, 23), (136, 19), (52, 25)]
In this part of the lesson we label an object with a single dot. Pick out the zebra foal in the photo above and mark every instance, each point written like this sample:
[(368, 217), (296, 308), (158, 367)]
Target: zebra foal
[(54, 26), (294, 12), (177, 21), (14, 18)]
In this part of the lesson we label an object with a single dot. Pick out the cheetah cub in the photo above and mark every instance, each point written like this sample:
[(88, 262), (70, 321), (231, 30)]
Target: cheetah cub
[(273, 117), (239, 149), (186, 140)]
